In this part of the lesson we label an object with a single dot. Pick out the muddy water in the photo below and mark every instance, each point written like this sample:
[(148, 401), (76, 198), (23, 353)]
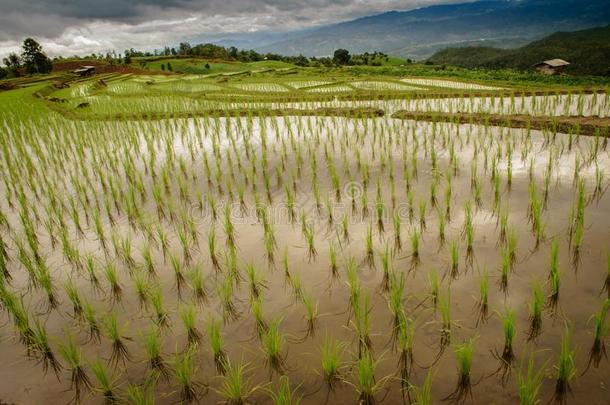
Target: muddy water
[(23, 381)]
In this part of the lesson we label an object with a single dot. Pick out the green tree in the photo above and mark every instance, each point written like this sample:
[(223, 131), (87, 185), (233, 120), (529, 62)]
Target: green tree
[(13, 64), (169, 67), (341, 57), (185, 48), (3, 73), (34, 60), (301, 61)]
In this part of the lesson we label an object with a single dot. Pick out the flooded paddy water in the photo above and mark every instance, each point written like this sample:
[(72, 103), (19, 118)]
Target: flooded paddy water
[(383, 242)]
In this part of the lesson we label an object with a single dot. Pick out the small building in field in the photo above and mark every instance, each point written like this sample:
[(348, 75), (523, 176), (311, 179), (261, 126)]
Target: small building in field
[(85, 70), (551, 66)]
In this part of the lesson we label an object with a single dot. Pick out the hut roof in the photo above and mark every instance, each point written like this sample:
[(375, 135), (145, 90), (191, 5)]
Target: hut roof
[(554, 63)]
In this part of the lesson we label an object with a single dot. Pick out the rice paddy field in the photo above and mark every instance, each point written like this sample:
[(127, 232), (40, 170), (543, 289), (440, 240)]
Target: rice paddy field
[(283, 239)]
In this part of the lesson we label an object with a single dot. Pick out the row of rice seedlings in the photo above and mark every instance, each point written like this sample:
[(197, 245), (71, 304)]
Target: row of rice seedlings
[(123, 250)]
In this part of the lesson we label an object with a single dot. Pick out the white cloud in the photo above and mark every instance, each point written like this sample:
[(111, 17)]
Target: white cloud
[(81, 27)]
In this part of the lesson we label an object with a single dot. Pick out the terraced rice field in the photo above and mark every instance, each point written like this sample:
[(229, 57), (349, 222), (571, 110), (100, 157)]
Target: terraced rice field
[(450, 84), (159, 245)]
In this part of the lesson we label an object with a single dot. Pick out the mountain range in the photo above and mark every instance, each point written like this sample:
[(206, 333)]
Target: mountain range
[(421, 32)]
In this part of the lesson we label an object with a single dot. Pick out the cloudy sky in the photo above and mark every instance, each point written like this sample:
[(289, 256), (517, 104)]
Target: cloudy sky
[(67, 27)]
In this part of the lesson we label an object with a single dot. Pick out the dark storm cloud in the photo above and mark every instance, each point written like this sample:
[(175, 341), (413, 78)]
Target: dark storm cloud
[(99, 25)]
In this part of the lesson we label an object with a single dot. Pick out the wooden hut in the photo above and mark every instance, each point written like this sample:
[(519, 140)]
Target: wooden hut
[(552, 66), (85, 70)]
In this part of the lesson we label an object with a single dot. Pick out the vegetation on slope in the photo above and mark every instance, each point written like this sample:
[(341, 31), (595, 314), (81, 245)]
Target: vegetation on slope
[(588, 51)]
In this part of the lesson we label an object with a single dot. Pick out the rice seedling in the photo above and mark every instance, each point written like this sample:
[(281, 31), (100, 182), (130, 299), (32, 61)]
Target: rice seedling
[(142, 287), (75, 299), (229, 227), (161, 317), (256, 307), (141, 394), (125, 251), (598, 349), (423, 394), (345, 227), (331, 353), (197, 283), (42, 348), (114, 333), (113, 279), (45, 281), (441, 227), (415, 240), (508, 356), (397, 224), (92, 273), (444, 306), (226, 292), (236, 387), (163, 241), (361, 323), (179, 276), (273, 345), (91, 320), (153, 344), (386, 265), (483, 302), (380, 211), (79, 379), (395, 299), (364, 380), (566, 367), (464, 353), (212, 248), (256, 281), (529, 382), (107, 383), (213, 329), (185, 244), (309, 234), (434, 284), (455, 259), (311, 311), (184, 372), (370, 254), (606, 286), (285, 395), (535, 308), (188, 315), (554, 275), (504, 270), (422, 215), (269, 239), (405, 336), (332, 255)]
